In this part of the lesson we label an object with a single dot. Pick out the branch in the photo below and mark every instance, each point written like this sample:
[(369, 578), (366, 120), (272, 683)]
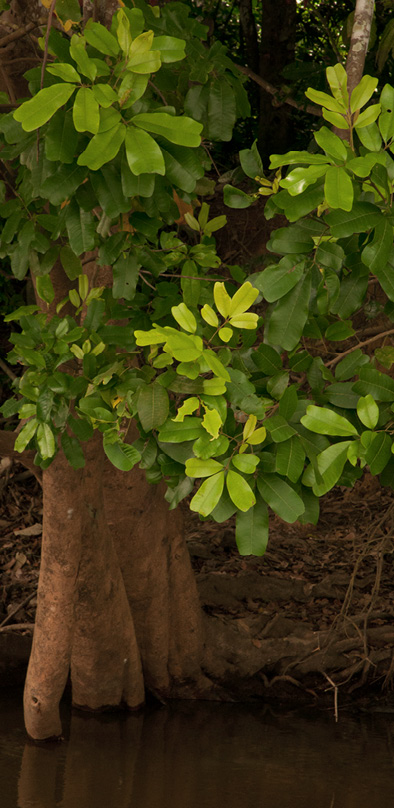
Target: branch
[(338, 358), (7, 440), (21, 32), (269, 88)]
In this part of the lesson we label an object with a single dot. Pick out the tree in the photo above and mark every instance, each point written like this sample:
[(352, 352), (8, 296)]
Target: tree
[(182, 363)]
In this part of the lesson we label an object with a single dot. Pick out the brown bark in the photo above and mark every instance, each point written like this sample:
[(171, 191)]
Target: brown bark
[(60, 558), (249, 34)]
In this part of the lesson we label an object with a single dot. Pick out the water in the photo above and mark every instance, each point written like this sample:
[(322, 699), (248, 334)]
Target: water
[(200, 756)]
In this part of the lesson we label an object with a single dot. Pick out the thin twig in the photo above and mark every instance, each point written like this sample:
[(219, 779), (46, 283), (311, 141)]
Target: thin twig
[(269, 88), (10, 373), (338, 358), (18, 627), (18, 608), (335, 695), (20, 33)]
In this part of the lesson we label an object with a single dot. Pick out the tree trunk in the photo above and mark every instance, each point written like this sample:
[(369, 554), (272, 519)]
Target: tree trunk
[(359, 41)]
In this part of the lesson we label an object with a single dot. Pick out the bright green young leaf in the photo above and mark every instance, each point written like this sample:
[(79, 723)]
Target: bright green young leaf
[(243, 299), (212, 422), (251, 531), (144, 62), (367, 117), (280, 497), (25, 435), (247, 320), (44, 288), (331, 144), (222, 299), (225, 334), (144, 155), (171, 48), (240, 491), (327, 422), (368, 411), (249, 427), (337, 79), (202, 468), (330, 465), (78, 53), (38, 110), (337, 120), (208, 495), (325, 100), (189, 406), (257, 437), (386, 119), (246, 463), (184, 317), (104, 95), (189, 429)]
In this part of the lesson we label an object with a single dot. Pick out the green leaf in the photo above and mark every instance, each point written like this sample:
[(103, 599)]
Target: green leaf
[(86, 115), (378, 453), (65, 71), (386, 119), (331, 144), (63, 183), (144, 155), (208, 495), (280, 497), (103, 147), (25, 435), (180, 129), (351, 295), (44, 288), (327, 422), (73, 451), (236, 198), (46, 441), (330, 465), (189, 406), (376, 254), (290, 459), (190, 429), (109, 193), (348, 367), (81, 229), (289, 316), (78, 53), (125, 276), (375, 383), (100, 38), (363, 92), (222, 299), (216, 365), (183, 347), (367, 117), (267, 359), (325, 100), (251, 530), (152, 406), (246, 463), (221, 110), (38, 110), (251, 162), (184, 317), (122, 455), (338, 188), (370, 137), (278, 428), (202, 468), (278, 279), (362, 218), (212, 422), (82, 429), (61, 138), (336, 332), (240, 491), (70, 262), (293, 239), (368, 411), (243, 299), (171, 48)]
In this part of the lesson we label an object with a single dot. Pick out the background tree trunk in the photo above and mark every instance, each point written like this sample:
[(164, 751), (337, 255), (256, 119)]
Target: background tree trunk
[(359, 42)]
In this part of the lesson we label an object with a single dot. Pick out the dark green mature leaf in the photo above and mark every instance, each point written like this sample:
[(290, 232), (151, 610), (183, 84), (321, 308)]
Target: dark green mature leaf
[(62, 184), (221, 110), (289, 316), (290, 458), (385, 276), (81, 229), (73, 451), (109, 191), (125, 275), (330, 466), (251, 529), (338, 188), (327, 422), (280, 497), (348, 367), (236, 198), (122, 455), (351, 293), (103, 147), (341, 394), (61, 138), (278, 279), (377, 252), (291, 239), (379, 385), (189, 429), (100, 38), (152, 406), (38, 110), (267, 359), (364, 216)]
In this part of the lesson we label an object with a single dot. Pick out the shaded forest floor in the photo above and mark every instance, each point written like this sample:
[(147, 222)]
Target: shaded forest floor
[(320, 602)]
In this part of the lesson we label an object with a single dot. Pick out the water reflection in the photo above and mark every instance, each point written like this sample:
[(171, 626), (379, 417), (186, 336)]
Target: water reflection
[(205, 756)]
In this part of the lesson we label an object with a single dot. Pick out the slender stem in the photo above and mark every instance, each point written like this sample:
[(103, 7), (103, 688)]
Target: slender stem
[(269, 88), (338, 358)]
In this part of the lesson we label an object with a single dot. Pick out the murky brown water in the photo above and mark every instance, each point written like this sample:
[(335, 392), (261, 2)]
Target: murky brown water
[(200, 756)]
